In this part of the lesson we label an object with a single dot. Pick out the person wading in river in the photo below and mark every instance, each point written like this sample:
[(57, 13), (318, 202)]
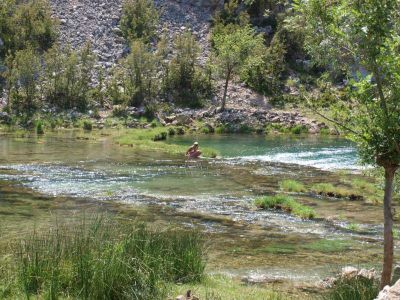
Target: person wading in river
[(193, 151)]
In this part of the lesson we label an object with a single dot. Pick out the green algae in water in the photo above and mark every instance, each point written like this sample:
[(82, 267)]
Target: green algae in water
[(279, 249), (328, 246)]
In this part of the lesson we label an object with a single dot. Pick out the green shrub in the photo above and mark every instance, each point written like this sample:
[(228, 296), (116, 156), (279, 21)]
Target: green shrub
[(187, 83), (357, 288), (299, 129), (287, 204), (245, 128), (263, 72), (134, 79), (324, 131), (22, 80), (39, 127), (68, 76), (100, 259), (119, 111), (87, 125), (171, 131), (26, 24), (139, 20), (292, 186)]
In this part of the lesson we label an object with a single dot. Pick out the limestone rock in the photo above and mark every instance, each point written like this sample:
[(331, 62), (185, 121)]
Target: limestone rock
[(390, 293), (396, 274)]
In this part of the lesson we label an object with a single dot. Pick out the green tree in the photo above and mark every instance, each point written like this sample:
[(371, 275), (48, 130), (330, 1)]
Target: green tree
[(139, 19), (26, 24), (67, 77), (263, 72), (22, 80), (187, 81), (351, 35), (232, 49), (134, 81)]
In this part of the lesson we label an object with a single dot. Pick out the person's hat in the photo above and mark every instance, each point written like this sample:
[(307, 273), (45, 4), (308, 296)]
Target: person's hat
[(195, 143)]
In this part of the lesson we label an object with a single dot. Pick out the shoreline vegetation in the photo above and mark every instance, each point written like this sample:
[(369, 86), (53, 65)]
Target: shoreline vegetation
[(148, 134)]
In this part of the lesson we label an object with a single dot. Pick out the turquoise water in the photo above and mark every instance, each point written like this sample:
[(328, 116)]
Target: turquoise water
[(328, 153)]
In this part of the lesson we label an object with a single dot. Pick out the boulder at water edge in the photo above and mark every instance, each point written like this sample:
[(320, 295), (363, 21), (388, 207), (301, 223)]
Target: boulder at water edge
[(390, 292)]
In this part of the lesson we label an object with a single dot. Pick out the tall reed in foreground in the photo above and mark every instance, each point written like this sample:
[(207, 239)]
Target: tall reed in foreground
[(101, 259)]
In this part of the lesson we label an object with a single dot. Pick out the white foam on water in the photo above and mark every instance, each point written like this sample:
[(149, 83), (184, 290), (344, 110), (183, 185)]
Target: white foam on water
[(321, 158)]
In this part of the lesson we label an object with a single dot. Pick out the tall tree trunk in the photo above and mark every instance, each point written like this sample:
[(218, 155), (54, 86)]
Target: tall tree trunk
[(390, 171), (228, 75)]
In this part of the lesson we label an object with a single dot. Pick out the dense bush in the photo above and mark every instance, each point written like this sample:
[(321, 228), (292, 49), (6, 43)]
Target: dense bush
[(26, 24), (188, 83), (263, 72), (67, 77), (22, 78), (101, 259), (139, 19), (134, 81)]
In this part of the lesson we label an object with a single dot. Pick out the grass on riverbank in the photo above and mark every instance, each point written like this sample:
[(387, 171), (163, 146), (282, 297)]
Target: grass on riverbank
[(292, 186), (287, 204), (102, 259), (152, 139), (218, 287), (355, 189)]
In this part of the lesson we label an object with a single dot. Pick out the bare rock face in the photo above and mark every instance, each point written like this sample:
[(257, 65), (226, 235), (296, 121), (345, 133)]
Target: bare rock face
[(94, 22), (97, 22), (390, 293)]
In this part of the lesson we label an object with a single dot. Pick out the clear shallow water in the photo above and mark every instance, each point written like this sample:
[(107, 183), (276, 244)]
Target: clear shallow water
[(328, 153), (216, 195)]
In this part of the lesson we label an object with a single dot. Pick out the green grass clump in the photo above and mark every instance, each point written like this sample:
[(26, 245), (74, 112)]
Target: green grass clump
[(328, 246), (244, 128), (39, 127), (369, 191), (292, 186), (87, 125), (324, 131), (287, 204), (357, 288), (102, 259), (299, 129), (328, 189), (353, 227)]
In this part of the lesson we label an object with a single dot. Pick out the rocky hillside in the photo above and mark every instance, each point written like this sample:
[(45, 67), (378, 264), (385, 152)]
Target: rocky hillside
[(97, 21)]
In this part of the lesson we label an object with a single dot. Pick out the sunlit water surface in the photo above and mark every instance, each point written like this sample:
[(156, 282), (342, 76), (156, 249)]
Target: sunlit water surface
[(216, 195)]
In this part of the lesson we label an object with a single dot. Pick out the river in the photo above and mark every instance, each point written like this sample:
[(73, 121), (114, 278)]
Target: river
[(215, 195)]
